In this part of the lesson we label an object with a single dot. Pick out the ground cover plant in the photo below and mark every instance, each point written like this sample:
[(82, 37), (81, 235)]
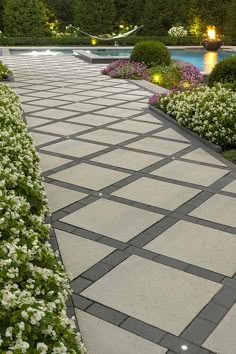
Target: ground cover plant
[(33, 284), (124, 69), (210, 112), (4, 71)]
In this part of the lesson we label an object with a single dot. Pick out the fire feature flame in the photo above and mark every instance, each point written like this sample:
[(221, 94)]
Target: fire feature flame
[(211, 32)]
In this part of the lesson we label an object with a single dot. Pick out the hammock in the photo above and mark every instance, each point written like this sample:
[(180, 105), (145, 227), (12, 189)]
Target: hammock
[(111, 38)]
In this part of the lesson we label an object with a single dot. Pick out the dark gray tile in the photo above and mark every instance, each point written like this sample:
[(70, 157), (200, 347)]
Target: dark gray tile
[(171, 262), (107, 314), (81, 302), (140, 252), (115, 258), (230, 282), (204, 273), (113, 243), (97, 271), (58, 215), (198, 331), (80, 284), (213, 312), (143, 330), (87, 234), (225, 297), (174, 343), (62, 226), (144, 238)]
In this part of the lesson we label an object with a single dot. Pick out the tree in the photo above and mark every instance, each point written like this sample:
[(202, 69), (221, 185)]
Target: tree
[(24, 18), (61, 10), (230, 19), (95, 16), (1, 11), (130, 12), (160, 16)]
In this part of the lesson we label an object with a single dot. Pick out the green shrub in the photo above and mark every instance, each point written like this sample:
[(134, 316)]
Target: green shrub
[(224, 71), (166, 76), (4, 71), (210, 112), (151, 53), (25, 17), (230, 155), (34, 287)]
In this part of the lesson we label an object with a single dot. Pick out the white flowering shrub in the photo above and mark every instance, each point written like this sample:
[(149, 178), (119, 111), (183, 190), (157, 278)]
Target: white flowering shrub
[(178, 31), (210, 112), (33, 284)]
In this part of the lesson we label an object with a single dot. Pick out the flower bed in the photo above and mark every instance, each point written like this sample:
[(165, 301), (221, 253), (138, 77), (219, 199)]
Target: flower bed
[(124, 69), (176, 75), (209, 112), (33, 284)]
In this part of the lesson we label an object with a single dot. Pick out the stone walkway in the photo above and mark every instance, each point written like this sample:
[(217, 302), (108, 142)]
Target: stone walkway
[(144, 216)]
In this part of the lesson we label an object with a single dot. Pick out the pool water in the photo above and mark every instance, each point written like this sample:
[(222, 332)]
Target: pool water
[(204, 60), (37, 52)]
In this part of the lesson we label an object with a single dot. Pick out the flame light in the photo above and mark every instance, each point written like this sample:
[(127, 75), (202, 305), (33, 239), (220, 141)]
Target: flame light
[(211, 32)]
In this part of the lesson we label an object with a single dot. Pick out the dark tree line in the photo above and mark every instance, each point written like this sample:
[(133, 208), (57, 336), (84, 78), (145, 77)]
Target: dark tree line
[(104, 16)]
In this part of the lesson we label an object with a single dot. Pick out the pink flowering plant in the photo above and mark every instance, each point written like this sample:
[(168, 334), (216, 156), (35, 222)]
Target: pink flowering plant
[(191, 74), (124, 69)]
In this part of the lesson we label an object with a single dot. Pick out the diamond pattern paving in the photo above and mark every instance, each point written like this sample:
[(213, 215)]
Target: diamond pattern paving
[(144, 216)]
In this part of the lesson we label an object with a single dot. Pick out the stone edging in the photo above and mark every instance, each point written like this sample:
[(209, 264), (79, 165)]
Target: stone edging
[(214, 147)]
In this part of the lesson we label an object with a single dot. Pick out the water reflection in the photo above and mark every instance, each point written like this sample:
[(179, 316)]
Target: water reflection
[(210, 59)]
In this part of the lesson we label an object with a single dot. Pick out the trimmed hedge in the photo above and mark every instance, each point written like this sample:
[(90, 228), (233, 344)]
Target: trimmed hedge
[(224, 71), (131, 40), (151, 53), (33, 284)]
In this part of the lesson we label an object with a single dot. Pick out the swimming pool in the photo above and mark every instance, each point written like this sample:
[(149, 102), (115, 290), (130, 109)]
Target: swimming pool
[(204, 60)]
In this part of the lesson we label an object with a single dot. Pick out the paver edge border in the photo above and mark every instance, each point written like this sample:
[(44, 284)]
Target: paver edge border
[(213, 146)]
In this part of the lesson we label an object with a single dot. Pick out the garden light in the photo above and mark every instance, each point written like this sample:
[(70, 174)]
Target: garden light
[(156, 78), (93, 41)]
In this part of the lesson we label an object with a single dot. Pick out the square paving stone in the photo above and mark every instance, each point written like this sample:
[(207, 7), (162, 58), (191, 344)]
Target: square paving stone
[(40, 139), (64, 90), (106, 101), (92, 119), (75, 148), (153, 293), (53, 113), (118, 221), (64, 128), (204, 247), (127, 159), (171, 134), (135, 105), (81, 107), (192, 173), (34, 121), (148, 118), (96, 333), (78, 253), (118, 112), (202, 156), (48, 162), (107, 136), (30, 108), (219, 209), (89, 176), (59, 197), (231, 187), (134, 126), (49, 102), (158, 146), (223, 339), (157, 193)]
